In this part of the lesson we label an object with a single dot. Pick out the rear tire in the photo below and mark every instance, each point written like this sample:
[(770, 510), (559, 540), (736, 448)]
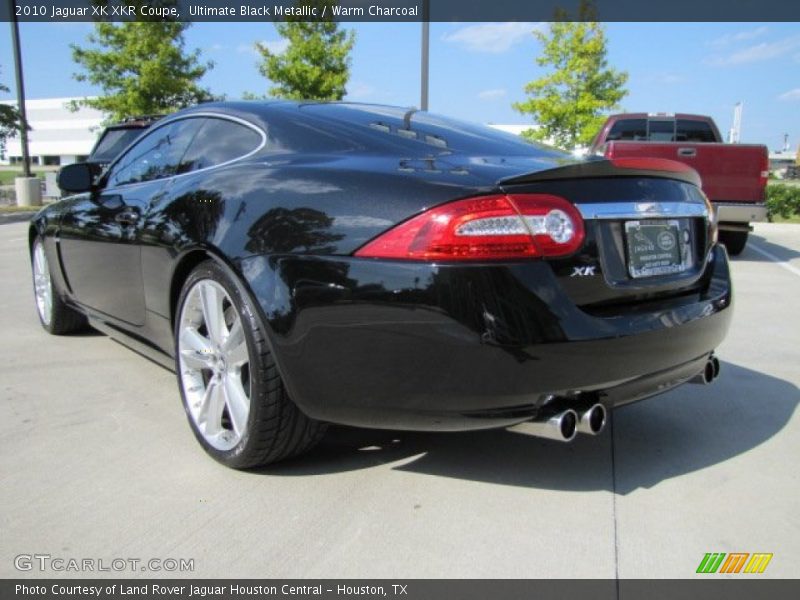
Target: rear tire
[(735, 241), (234, 397), (55, 315)]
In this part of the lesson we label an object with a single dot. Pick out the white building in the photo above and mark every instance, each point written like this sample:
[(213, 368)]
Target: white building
[(58, 136), (782, 162)]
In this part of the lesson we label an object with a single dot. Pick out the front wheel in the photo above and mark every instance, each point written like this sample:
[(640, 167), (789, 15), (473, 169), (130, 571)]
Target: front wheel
[(734, 241), (54, 314), (233, 395)]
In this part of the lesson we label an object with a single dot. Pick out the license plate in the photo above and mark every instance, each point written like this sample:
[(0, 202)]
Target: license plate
[(657, 248)]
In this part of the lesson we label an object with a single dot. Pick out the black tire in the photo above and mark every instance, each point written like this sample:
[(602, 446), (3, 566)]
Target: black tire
[(734, 241), (58, 318), (276, 428)]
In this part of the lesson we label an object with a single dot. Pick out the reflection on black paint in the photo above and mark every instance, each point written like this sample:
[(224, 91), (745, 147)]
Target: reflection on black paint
[(112, 202), (510, 320), (282, 230), (196, 214), (94, 219), (312, 283)]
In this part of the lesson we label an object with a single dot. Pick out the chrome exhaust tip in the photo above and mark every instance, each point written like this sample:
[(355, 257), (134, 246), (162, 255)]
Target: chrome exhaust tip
[(715, 362), (561, 426), (709, 373), (592, 420)]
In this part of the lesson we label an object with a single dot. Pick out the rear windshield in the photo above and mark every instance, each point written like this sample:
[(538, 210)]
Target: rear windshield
[(662, 130), (113, 142), (430, 132), (694, 131)]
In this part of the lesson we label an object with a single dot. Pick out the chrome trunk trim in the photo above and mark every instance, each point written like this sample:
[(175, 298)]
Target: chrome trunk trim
[(641, 210)]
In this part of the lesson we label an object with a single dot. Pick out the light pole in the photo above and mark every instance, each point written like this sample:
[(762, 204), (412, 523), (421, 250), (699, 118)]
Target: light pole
[(23, 125), (423, 102)]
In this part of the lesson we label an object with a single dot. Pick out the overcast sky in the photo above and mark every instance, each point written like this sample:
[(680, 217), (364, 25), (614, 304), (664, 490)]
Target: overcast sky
[(478, 70)]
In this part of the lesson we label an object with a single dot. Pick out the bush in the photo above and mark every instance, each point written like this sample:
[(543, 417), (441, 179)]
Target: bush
[(783, 200)]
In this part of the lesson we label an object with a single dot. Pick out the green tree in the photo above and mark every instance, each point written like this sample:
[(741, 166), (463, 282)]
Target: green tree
[(142, 68), (9, 122), (315, 64), (568, 103)]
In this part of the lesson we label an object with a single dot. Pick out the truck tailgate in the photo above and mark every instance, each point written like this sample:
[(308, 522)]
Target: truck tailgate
[(730, 172)]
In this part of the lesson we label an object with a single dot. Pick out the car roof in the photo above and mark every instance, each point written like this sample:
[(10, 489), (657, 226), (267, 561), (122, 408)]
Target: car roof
[(259, 109), (319, 127)]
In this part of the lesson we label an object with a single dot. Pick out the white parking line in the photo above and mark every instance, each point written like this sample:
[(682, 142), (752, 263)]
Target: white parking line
[(780, 262)]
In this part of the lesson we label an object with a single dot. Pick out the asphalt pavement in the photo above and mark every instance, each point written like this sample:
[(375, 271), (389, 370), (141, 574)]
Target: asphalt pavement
[(97, 462)]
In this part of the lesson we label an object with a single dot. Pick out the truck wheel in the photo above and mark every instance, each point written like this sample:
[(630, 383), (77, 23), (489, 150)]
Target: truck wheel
[(735, 241)]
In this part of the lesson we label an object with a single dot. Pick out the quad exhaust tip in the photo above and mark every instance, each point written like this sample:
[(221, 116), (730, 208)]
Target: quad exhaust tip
[(709, 373), (593, 420), (562, 426), (568, 424)]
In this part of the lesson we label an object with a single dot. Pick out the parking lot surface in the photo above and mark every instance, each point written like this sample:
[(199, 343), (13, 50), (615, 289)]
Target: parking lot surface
[(97, 461)]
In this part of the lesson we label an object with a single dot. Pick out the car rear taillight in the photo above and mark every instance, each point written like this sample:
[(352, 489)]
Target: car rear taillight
[(764, 175), (485, 228), (713, 227)]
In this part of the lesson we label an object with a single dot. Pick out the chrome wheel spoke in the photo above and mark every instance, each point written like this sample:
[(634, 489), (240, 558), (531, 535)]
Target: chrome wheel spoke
[(237, 402), (194, 360), (214, 317), (39, 262), (196, 349), (235, 346), (210, 414)]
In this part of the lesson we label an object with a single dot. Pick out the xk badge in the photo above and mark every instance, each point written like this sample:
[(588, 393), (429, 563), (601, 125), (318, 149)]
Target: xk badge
[(583, 271)]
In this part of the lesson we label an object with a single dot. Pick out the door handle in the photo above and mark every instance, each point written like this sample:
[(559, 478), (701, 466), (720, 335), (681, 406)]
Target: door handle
[(687, 151), (128, 216)]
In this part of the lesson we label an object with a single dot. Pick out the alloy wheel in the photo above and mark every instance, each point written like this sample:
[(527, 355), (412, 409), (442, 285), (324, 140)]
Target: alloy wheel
[(214, 364), (42, 288)]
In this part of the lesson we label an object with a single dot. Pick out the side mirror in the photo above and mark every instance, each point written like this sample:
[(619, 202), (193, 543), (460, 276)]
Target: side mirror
[(78, 177)]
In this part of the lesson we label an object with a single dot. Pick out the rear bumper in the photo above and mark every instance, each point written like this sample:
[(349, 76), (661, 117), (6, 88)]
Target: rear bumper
[(413, 346), (739, 212)]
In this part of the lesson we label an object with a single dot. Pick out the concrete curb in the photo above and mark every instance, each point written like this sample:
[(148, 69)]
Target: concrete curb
[(17, 217)]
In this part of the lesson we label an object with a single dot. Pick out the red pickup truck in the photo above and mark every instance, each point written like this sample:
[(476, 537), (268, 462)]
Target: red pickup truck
[(734, 175)]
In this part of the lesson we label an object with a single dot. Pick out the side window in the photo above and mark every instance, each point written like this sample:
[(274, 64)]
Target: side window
[(156, 155), (628, 129), (219, 141), (695, 131)]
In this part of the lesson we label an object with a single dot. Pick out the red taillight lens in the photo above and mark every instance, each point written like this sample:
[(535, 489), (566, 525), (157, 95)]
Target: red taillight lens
[(713, 228), (485, 228), (763, 180)]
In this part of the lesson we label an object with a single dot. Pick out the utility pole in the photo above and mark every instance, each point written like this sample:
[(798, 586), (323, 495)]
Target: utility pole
[(423, 102), (23, 125), (736, 131)]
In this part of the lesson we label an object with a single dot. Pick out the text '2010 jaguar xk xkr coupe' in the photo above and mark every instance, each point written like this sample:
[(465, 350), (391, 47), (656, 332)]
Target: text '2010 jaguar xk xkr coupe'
[(299, 264)]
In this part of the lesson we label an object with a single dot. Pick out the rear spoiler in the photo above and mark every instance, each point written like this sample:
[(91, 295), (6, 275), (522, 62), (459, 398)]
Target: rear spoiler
[(618, 167)]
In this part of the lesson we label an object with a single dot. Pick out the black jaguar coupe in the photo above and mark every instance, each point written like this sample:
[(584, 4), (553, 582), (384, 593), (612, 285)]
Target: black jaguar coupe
[(299, 264)]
